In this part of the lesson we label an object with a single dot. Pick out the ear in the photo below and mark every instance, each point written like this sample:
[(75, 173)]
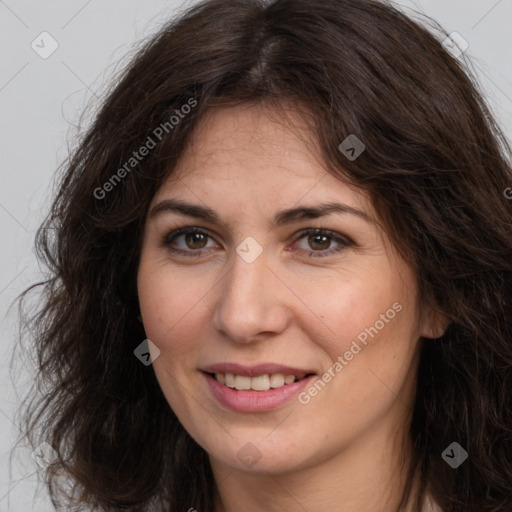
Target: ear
[(434, 323)]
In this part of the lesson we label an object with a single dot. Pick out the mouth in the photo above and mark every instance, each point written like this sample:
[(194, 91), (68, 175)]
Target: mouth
[(256, 394), (263, 382)]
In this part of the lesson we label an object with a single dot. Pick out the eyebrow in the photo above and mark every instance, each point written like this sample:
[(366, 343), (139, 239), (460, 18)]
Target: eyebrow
[(281, 218)]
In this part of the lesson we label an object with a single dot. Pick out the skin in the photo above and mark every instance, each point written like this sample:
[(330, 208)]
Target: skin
[(345, 448)]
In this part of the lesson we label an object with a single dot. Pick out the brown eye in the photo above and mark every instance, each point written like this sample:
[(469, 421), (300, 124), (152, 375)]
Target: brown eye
[(187, 240), (195, 240), (320, 241)]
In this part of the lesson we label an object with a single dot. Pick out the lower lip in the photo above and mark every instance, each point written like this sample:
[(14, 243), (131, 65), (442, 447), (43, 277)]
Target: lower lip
[(255, 401)]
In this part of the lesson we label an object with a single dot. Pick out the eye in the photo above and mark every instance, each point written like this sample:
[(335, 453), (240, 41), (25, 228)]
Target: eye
[(195, 240), (320, 241)]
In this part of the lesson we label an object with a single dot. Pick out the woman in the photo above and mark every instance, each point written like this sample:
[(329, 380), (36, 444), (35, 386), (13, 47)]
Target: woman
[(281, 274)]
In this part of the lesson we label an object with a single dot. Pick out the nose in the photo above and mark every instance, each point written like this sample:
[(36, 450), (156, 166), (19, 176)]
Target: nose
[(251, 301)]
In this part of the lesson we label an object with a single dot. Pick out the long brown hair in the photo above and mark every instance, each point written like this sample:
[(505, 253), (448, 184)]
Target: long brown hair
[(436, 166)]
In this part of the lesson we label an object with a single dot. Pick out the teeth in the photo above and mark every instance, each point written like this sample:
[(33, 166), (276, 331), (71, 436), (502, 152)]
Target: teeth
[(289, 379), (229, 380), (242, 382), (259, 383), (277, 380)]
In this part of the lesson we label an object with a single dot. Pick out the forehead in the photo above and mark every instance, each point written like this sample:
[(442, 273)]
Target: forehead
[(250, 137), (256, 151)]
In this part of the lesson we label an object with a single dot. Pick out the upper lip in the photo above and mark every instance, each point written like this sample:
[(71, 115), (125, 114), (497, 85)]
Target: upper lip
[(256, 370)]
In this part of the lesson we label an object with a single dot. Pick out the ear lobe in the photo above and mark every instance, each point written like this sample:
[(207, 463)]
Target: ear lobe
[(434, 325)]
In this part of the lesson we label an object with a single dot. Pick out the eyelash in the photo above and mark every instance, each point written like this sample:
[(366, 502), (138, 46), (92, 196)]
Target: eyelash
[(343, 241)]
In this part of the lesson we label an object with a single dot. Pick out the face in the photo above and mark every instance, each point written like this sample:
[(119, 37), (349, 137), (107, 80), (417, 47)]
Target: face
[(252, 284)]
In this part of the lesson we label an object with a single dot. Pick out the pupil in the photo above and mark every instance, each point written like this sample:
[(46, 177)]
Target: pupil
[(323, 237), (195, 238)]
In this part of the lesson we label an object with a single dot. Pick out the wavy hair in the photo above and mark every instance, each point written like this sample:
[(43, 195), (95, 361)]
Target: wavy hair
[(436, 166)]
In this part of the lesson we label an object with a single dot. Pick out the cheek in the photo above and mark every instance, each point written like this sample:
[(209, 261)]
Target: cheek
[(339, 310), (169, 312), (169, 304), (376, 364), (370, 321)]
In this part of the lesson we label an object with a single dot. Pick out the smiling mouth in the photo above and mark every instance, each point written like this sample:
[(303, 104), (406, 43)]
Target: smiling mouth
[(263, 382)]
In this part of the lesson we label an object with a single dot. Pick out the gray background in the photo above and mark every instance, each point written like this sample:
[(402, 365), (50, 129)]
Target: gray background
[(41, 101)]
